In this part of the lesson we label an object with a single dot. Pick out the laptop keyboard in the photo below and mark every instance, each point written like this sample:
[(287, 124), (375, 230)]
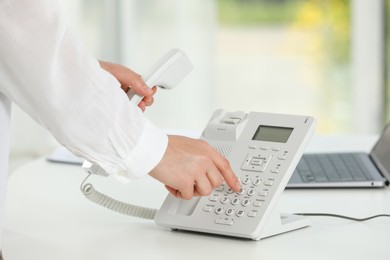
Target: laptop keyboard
[(331, 168)]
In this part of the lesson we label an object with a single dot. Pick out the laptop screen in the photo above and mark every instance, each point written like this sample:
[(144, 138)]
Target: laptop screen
[(381, 152)]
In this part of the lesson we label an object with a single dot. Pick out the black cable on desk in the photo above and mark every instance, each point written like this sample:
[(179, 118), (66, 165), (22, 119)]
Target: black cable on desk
[(341, 216)]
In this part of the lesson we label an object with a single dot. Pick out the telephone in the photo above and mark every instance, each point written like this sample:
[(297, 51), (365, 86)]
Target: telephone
[(263, 150)]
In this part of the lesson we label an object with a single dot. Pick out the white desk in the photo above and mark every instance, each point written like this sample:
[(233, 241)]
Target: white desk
[(48, 218)]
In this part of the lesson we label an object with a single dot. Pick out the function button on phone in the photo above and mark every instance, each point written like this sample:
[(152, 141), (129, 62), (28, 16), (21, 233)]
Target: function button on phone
[(263, 193), (224, 221), (276, 149), (207, 208), (264, 148), (237, 115), (221, 127), (256, 163), (282, 157), (269, 182), (252, 146), (231, 121), (220, 188), (213, 198), (276, 170), (258, 203), (252, 214)]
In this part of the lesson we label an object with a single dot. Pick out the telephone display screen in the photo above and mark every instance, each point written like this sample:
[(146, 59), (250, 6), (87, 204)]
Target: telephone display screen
[(272, 134)]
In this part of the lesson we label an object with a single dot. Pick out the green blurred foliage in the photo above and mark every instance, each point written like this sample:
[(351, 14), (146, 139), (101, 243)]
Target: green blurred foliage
[(328, 20), (255, 12)]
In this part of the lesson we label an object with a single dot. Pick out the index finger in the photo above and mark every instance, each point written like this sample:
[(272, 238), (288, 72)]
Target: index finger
[(130, 78), (223, 165)]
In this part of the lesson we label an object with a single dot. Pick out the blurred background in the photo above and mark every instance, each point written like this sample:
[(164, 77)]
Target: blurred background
[(325, 58)]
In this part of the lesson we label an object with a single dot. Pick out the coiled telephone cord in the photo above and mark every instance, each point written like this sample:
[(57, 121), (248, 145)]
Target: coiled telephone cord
[(115, 205)]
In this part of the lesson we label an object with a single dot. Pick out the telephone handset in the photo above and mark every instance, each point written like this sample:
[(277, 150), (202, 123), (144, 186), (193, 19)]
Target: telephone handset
[(263, 150)]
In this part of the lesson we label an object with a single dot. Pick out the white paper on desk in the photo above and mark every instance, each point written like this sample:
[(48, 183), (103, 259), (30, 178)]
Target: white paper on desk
[(63, 155)]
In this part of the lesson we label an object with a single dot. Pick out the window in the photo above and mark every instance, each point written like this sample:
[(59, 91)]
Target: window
[(286, 56)]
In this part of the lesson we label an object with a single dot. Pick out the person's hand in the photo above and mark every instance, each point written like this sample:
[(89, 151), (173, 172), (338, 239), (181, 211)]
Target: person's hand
[(192, 167), (130, 79)]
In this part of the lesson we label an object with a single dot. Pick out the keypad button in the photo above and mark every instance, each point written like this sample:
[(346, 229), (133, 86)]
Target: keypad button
[(275, 171), (246, 202), (235, 201), (268, 182), (230, 191), (246, 180), (265, 148), (276, 149), (256, 182), (218, 210), (251, 192), (240, 213), (229, 212), (225, 200), (241, 191)]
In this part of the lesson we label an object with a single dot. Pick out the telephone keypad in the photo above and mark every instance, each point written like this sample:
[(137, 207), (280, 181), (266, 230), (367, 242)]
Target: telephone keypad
[(256, 185), (247, 202)]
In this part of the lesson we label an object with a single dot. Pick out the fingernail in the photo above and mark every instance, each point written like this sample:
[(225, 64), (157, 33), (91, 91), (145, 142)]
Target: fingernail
[(148, 90), (238, 184)]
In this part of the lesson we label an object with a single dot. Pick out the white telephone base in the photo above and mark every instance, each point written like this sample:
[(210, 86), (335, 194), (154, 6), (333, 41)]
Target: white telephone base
[(282, 223), (263, 150)]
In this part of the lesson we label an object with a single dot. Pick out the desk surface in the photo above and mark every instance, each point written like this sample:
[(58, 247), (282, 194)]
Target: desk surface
[(48, 218)]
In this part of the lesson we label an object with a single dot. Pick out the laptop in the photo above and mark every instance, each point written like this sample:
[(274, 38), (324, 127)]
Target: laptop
[(345, 170)]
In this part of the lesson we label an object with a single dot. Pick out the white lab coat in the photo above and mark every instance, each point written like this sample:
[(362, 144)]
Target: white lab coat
[(46, 71)]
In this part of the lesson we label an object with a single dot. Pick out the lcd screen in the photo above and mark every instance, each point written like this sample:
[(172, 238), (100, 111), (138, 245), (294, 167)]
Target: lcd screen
[(272, 134)]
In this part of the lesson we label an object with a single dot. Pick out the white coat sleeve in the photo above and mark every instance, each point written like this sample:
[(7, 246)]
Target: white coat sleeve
[(46, 71)]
